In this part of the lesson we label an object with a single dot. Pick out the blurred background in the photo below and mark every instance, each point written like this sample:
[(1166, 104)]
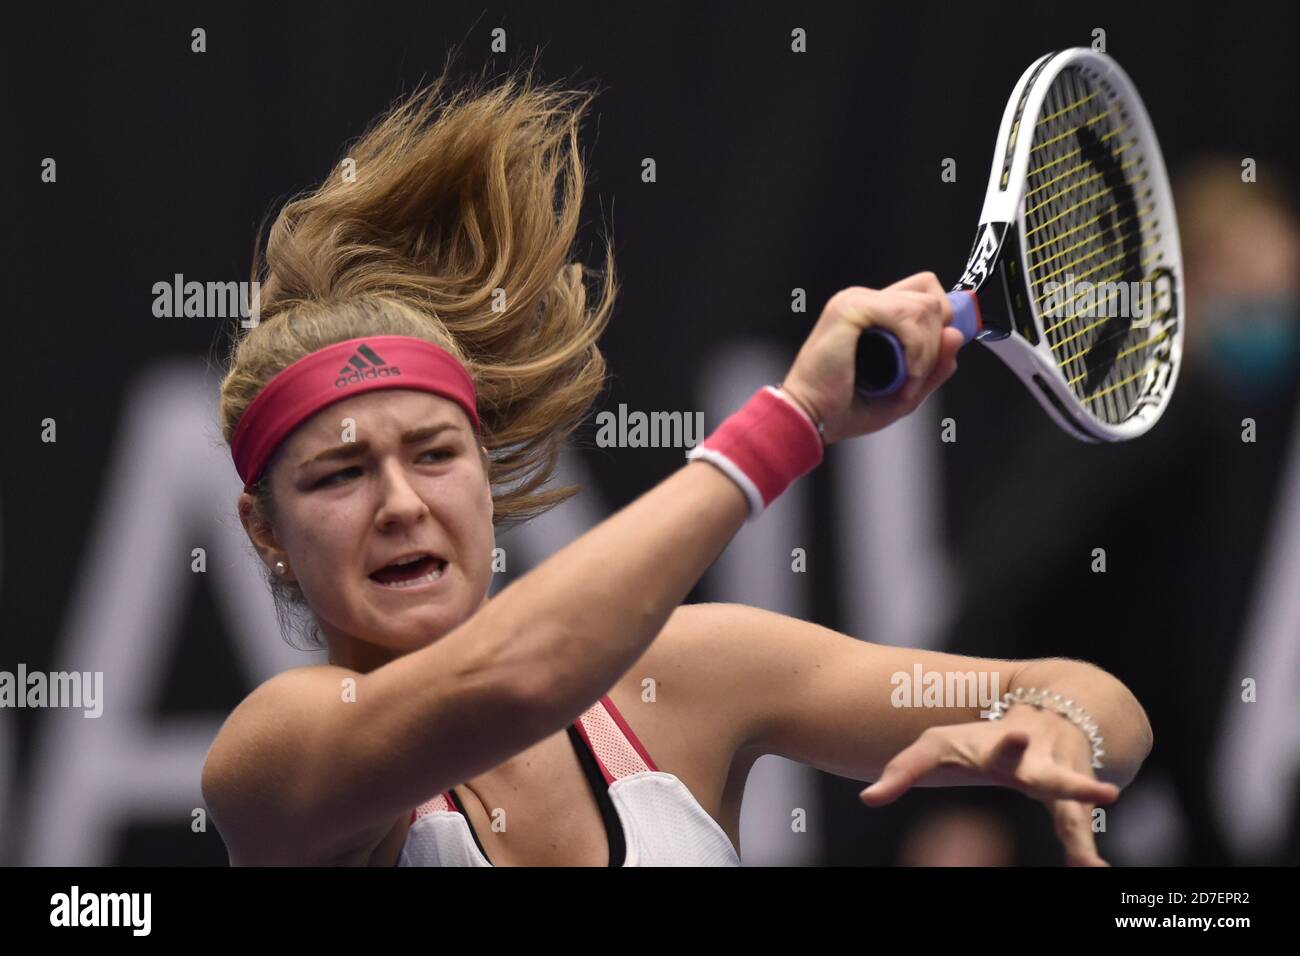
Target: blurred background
[(776, 171)]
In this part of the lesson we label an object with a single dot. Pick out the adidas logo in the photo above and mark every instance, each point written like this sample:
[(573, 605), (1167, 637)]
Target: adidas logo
[(365, 363)]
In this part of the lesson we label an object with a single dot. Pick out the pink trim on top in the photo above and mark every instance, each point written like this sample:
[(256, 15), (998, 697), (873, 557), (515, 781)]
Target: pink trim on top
[(627, 732), (442, 803), (586, 739), (617, 751), (445, 802)]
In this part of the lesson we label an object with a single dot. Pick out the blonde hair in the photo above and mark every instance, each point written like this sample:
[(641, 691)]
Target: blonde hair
[(456, 228)]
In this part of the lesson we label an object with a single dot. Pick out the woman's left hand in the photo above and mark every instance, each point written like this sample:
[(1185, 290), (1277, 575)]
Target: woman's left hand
[(1040, 753)]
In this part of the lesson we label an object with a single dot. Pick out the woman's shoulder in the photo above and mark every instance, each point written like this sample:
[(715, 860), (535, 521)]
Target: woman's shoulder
[(296, 686), (243, 765)]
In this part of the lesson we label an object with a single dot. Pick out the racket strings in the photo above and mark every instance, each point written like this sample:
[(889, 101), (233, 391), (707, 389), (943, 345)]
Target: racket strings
[(1079, 228), (1153, 340), (1070, 154), (1099, 266), (1066, 109), (1088, 217), (1084, 182), (1078, 205), (1088, 328), (1076, 168), (1081, 243), (1066, 134), (1075, 152)]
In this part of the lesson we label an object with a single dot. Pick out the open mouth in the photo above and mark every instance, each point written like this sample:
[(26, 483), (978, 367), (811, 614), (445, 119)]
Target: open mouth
[(408, 574)]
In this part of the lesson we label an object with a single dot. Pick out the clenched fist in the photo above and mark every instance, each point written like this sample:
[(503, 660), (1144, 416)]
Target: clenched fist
[(917, 311)]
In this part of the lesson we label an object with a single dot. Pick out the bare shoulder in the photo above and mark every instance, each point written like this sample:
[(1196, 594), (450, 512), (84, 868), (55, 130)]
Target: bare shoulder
[(249, 781), (264, 709)]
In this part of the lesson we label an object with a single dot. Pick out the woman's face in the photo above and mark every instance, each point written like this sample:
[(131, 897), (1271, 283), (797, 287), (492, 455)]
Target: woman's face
[(351, 500)]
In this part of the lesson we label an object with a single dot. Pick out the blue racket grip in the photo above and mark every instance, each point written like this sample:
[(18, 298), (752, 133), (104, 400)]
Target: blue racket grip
[(880, 369)]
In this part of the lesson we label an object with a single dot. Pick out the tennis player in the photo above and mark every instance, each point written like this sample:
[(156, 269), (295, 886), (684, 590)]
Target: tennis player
[(425, 347)]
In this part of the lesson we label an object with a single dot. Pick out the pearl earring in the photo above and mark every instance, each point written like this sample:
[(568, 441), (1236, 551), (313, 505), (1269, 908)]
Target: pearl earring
[(280, 568)]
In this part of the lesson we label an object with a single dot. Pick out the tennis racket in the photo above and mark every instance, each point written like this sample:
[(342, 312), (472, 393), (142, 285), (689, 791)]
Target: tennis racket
[(1076, 276)]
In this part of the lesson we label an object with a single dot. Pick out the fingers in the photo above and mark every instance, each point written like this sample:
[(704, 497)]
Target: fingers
[(1079, 786), (903, 771), (1041, 779), (1005, 757), (921, 282), (922, 322), (915, 318), (1047, 781), (914, 310), (918, 390), (1070, 796), (1057, 781), (950, 343), (1073, 823)]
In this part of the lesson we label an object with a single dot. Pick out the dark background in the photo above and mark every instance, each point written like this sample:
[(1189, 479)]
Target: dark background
[(776, 170)]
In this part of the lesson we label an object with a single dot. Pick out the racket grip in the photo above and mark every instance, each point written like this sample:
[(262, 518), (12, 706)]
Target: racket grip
[(880, 369)]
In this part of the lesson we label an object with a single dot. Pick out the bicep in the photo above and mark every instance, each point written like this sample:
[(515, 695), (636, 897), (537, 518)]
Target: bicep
[(829, 700)]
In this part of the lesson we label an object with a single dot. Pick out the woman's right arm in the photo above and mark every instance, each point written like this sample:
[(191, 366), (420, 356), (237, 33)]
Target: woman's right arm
[(307, 768), (309, 764)]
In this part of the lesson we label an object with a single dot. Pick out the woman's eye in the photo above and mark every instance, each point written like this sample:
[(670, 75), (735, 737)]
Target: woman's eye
[(329, 479), (332, 479)]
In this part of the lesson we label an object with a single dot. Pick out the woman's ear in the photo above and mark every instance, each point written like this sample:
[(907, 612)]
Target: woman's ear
[(259, 532), (487, 479)]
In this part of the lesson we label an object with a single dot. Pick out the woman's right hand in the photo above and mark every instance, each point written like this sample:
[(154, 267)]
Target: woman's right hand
[(917, 311)]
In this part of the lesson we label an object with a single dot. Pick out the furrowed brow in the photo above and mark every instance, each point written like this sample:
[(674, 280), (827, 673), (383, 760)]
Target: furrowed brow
[(352, 449)]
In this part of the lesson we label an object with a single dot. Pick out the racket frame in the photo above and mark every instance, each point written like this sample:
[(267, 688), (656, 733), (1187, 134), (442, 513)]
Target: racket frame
[(997, 267)]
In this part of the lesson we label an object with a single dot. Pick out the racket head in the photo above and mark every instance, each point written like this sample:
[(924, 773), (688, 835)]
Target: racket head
[(1077, 264)]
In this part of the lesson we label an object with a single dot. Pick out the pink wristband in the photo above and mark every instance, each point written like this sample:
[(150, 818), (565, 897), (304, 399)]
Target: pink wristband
[(763, 447)]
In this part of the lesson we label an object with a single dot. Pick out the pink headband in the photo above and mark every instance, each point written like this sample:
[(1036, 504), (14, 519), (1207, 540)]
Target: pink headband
[(337, 372)]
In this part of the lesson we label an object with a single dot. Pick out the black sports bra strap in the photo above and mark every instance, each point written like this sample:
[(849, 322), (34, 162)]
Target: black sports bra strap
[(613, 825), (609, 815)]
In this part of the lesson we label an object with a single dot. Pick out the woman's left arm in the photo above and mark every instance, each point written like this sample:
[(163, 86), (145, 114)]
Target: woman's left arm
[(848, 706), (902, 717)]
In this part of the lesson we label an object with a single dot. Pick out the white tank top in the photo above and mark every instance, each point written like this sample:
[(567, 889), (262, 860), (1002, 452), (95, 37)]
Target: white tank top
[(650, 818)]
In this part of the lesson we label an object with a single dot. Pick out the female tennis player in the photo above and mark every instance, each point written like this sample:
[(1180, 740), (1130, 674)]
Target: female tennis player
[(425, 347)]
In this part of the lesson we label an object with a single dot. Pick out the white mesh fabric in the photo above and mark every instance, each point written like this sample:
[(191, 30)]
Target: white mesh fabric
[(666, 826), (663, 823), (440, 839)]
